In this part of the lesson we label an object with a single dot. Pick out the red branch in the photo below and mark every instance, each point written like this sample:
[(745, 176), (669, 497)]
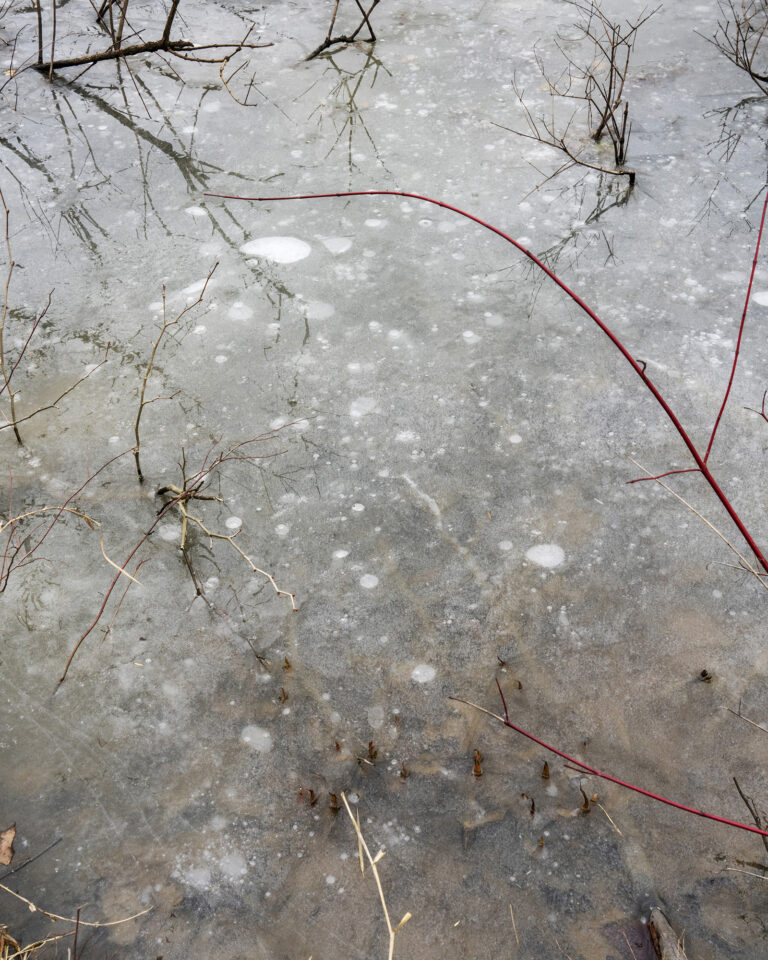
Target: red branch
[(741, 331), (607, 776), (637, 365)]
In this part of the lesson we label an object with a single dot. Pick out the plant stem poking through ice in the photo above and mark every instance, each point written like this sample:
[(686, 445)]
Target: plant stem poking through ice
[(343, 38), (638, 366), (192, 488), (167, 324), (362, 847), (585, 768)]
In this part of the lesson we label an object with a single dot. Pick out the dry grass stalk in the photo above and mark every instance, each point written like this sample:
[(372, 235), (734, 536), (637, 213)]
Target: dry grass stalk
[(362, 847), (514, 925), (167, 324)]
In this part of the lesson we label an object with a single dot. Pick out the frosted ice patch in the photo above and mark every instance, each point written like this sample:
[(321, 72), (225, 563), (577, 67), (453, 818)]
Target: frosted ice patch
[(198, 877), (233, 865), (423, 673), (196, 212), (282, 529), (362, 406), (318, 310), (761, 297), (277, 249), (233, 523), (337, 244), (505, 545), (239, 311), (376, 717), (375, 223), (156, 306), (200, 329), (213, 106), (369, 581), (257, 737), (546, 555)]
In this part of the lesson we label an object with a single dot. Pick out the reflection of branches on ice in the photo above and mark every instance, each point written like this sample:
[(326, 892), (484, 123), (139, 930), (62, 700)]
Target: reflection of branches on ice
[(341, 98), (598, 195), (735, 126)]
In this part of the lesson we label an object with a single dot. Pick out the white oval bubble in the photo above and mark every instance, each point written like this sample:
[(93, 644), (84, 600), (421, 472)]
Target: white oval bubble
[(277, 249), (337, 244), (423, 673), (369, 581), (546, 555), (257, 737)]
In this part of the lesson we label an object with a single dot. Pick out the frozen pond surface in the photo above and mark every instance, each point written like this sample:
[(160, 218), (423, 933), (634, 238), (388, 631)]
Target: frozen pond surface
[(443, 490)]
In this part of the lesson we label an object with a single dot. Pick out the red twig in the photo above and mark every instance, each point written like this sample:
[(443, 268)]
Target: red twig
[(660, 476), (585, 768), (741, 331), (637, 365)]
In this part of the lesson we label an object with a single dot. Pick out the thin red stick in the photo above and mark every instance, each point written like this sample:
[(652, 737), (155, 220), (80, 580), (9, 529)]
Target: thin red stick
[(741, 331), (637, 366), (661, 476), (607, 776)]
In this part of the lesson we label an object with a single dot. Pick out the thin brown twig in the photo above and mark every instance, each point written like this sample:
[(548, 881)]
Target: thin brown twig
[(331, 41), (167, 324)]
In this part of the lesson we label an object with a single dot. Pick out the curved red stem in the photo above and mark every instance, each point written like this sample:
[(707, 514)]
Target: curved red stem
[(607, 776), (637, 366), (741, 331)]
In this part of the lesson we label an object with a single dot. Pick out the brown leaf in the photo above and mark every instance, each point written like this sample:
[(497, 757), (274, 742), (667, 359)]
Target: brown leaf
[(6, 845)]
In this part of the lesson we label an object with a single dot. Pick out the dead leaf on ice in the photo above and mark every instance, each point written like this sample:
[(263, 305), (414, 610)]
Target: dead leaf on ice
[(6, 845)]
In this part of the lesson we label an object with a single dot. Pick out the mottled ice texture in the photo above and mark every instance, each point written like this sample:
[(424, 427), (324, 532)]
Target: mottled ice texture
[(441, 382)]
